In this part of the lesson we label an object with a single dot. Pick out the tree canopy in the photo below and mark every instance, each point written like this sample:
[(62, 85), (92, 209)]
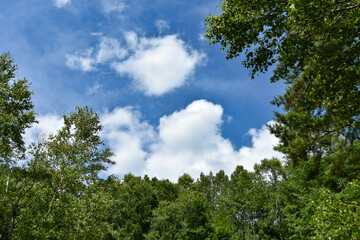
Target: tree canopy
[(16, 109), (313, 46)]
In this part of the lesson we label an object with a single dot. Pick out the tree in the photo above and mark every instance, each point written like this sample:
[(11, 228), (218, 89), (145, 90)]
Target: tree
[(16, 110), (133, 203), (336, 216), (74, 157), (16, 114), (314, 46), (186, 218), (165, 190), (52, 195)]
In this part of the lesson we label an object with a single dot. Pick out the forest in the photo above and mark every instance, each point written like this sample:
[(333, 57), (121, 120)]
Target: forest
[(52, 189)]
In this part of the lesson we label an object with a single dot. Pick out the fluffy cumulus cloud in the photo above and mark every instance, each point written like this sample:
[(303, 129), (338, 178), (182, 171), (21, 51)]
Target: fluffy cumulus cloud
[(190, 142), (262, 147), (155, 65), (187, 141), (127, 137), (61, 3), (159, 65)]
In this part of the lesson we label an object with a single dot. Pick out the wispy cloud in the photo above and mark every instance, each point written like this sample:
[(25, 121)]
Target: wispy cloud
[(132, 40), (108, 49), (61, 3), (162, 25), (202, 37), (109, 6), (159, 65), (95, 89), (81, 60)]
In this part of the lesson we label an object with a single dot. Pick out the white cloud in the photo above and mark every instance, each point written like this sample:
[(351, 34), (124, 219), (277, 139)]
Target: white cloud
[(61, 3), (159, 65), (109, 6), (48, 125), (108, 49), (95, 89), (127, 137), (187, 141), (155, 65), (132, 40), (262, 147), (191, 142), (162, 25), (202, 37), (81, 60)]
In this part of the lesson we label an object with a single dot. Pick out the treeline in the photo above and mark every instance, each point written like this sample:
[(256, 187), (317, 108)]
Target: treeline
[(248, 205), (56, 193)]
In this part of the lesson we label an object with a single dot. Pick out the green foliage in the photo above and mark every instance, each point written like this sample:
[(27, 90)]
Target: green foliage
[(132, 207), (314, 44), (55, 194), (77, 147), (245, 23), (16, 109), (16, 114), (185, 181), (337, 215), (185, 218), (165, 190)]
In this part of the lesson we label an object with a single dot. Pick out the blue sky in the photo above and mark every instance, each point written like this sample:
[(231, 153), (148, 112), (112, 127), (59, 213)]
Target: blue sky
[(169, 102)]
